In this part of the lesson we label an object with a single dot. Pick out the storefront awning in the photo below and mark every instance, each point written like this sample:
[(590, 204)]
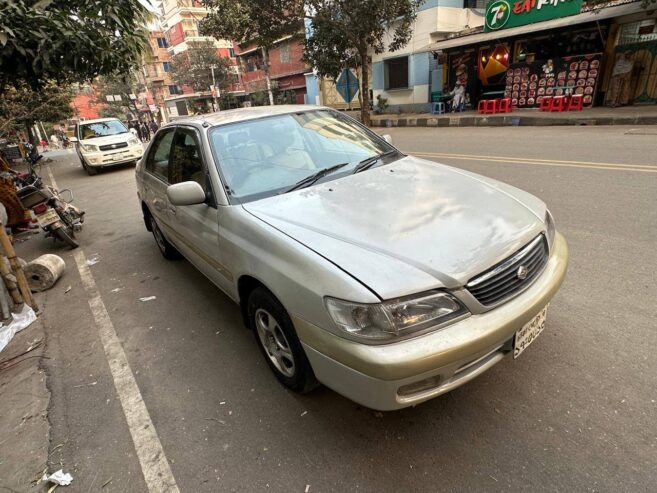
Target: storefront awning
[(501, 35)]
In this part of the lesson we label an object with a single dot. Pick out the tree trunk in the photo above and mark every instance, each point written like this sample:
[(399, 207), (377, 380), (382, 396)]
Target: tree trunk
[(364, 87), (265, 58)]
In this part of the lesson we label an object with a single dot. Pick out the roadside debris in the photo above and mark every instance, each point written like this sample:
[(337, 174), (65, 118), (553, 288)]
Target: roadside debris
[(148, 298), (59, 478), (43, 272), (304, 413), (67, 289), (116, 290), (93, 259), (19, 321)]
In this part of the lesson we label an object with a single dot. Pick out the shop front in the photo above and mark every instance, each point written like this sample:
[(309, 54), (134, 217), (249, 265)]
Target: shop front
[(631, 77), (532, 48)]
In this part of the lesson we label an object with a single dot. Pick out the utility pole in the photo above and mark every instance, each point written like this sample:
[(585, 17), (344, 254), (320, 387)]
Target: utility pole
[(214, 89)]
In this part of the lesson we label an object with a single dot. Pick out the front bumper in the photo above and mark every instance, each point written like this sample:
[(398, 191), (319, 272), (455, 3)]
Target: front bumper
[(384, 377), (112, 158)]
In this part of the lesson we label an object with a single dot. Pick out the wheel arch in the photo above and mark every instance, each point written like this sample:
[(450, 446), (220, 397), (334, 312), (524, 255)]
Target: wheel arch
[(146, 213), (246, 284)]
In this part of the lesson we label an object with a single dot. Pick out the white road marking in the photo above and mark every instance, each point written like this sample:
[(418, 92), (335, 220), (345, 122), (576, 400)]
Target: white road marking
[(523, 161), (53, 183), (153, 462)]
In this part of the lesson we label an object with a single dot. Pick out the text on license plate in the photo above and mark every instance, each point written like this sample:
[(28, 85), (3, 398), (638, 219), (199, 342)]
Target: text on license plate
[(48, 217), (529, 332)]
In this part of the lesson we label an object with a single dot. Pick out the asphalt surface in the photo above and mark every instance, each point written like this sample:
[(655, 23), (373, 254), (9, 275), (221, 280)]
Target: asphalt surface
[(576, 412)]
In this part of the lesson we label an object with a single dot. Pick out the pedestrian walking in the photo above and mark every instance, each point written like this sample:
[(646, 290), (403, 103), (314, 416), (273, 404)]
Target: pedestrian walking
[(154, 127), (145, 132)]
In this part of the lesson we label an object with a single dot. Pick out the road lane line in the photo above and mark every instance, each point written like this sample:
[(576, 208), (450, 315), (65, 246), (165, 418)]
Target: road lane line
[(153, 462), (528, 159), (547, 163), (53, 183)]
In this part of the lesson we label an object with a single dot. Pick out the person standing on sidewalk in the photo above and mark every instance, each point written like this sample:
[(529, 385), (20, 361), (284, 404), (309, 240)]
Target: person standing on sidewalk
[(621, 78)]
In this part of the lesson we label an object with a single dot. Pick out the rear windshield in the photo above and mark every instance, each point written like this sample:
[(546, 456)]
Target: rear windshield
[(101, 129)]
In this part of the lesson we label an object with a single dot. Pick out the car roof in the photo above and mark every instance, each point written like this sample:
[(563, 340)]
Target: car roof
[(243, 114), (97, 120)]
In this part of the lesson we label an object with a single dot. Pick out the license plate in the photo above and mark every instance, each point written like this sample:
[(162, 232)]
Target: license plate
[(48, 217), (529, 332)]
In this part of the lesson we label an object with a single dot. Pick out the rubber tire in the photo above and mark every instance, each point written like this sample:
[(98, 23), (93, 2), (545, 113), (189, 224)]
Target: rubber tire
[(61, 234), (167, 250), (91, 171), (303, 380)]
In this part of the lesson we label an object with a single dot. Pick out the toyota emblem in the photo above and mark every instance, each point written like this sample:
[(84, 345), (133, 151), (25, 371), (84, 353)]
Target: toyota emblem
[(522, 272)]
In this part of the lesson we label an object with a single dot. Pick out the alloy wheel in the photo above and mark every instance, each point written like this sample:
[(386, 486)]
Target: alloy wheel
[(274, 342)]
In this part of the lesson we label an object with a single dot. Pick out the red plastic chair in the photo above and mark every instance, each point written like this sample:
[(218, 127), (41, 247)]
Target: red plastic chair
[(481, 106), (575, 102), (504, 105), (544, 103), (558, 103), (490, 106)]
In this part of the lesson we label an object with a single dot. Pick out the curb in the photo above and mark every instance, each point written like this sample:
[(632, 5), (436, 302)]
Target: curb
[(511, 121)]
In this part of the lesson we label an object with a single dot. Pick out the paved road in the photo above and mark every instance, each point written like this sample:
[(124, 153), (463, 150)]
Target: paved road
[(576, 412)]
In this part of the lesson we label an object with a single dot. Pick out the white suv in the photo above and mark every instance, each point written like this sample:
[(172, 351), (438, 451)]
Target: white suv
[(105, 142)]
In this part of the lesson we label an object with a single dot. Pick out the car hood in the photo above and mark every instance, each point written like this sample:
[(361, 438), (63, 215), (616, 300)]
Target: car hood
[(109, 139), (408, 226)]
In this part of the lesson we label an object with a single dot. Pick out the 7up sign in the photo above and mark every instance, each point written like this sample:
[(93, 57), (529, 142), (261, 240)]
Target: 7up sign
[(497, 14), (502, 14)]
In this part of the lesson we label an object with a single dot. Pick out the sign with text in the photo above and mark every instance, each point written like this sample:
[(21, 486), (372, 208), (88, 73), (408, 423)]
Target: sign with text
[(503, 14)]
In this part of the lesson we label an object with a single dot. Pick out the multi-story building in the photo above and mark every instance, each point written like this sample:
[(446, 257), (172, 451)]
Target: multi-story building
[(180, 22), (154, 75), (286, 69)]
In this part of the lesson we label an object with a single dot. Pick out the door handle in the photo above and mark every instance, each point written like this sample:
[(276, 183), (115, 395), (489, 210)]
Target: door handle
[(158, 204)]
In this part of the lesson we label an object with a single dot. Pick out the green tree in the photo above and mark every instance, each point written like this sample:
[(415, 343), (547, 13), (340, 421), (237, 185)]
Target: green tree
[(21, 106), (193, 67), (114, 85), (69, 40), (341, 32), (261, 22)]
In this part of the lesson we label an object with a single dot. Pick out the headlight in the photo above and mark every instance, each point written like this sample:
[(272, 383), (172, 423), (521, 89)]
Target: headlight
[(384, 322), (133, 141), (550, 229), (89, 148)]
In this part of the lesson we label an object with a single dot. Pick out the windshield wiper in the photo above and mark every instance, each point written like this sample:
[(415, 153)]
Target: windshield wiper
[(371, 161), (309, 180)]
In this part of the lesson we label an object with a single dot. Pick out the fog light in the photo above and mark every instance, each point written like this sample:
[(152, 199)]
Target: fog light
[(418, 387)]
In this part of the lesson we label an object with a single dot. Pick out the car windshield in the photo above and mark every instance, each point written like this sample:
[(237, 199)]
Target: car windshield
[(267, 156), (101, 129)]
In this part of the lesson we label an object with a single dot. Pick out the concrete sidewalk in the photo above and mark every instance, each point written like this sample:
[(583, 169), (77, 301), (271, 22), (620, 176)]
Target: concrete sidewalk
[(629, 115)]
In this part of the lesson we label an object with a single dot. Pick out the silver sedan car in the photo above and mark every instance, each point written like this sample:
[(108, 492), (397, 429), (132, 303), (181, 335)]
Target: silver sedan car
[(387, 278)]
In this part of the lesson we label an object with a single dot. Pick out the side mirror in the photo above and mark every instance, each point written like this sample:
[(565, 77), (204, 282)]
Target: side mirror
[(186, 193), (73, 139), (387, 138)]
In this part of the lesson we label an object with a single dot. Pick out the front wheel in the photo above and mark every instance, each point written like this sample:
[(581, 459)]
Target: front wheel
[(278, 342), (61, 234), (91, 171)]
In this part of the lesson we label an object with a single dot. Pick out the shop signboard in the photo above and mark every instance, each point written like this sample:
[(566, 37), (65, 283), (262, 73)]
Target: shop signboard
[(503, 14), (527, 83)]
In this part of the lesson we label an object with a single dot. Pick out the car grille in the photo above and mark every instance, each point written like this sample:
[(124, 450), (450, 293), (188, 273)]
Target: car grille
[(111, 147), (511, 275)]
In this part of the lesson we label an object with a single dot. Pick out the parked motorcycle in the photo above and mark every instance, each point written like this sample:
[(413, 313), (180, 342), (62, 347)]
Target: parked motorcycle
[(58, 218)]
